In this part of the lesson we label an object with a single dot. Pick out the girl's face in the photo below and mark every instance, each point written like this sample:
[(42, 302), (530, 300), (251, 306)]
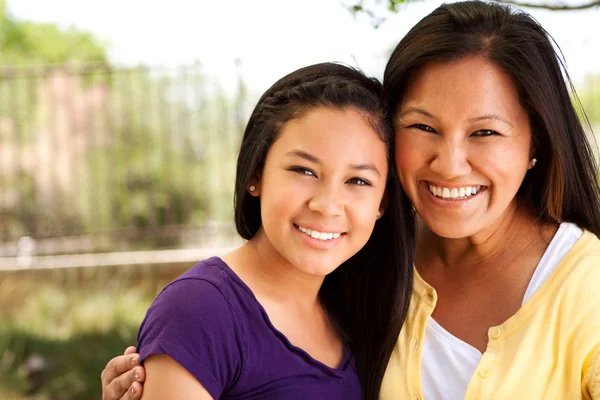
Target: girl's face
[(321, 189), (463, 146)]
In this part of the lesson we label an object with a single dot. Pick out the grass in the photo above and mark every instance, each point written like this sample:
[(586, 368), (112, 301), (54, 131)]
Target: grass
[(76, 320)]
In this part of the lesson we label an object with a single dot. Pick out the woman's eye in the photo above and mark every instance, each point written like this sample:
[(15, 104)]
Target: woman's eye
[(484, 132), (422, 127), (302, 171), (359, 182)]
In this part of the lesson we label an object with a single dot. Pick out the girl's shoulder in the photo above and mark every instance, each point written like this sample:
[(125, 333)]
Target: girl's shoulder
[(210, 289), (197, 321)]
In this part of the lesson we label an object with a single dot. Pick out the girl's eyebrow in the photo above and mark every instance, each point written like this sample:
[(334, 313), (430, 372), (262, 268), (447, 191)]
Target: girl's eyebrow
[(366, 167), (304, 155), (311, 158)]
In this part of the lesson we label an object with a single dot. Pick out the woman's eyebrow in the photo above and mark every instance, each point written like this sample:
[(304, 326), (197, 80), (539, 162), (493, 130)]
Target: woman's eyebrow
[(417, 110), (492, 117)]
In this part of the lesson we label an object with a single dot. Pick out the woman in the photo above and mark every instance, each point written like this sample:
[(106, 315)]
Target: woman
[(497, 165)]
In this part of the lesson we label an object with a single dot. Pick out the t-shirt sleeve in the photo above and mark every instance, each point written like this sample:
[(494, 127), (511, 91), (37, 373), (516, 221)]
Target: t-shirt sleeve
[(193, 323)]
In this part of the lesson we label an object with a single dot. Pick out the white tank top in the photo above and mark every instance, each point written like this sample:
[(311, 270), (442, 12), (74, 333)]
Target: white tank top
[(448, 363)]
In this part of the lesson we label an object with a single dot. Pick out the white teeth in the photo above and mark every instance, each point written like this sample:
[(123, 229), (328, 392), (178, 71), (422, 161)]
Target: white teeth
[(454, 193), (319, 235)]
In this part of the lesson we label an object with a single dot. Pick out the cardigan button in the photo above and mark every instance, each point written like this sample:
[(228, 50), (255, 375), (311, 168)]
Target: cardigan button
[(496, 333), (485, 373)]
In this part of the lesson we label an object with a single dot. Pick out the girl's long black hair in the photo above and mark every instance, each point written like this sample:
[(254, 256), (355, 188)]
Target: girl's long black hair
[(367, 297)]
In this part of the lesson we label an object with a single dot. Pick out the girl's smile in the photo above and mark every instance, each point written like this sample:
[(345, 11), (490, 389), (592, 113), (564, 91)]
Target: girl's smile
[(321, 189)]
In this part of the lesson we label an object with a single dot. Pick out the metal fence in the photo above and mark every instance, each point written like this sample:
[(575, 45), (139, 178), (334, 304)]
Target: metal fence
[(95, 159), (101, 160)]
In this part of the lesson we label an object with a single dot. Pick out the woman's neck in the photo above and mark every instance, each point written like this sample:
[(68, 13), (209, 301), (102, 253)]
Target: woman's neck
[(488, 254)]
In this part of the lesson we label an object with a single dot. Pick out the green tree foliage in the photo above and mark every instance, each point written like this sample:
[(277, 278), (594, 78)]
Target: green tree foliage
[(23, 42), (589, 94)]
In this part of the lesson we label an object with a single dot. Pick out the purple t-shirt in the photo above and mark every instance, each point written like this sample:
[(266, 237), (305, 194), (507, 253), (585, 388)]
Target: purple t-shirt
[(209, 321)]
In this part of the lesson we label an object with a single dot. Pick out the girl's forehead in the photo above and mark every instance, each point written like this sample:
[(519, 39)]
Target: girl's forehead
[(330, 134)]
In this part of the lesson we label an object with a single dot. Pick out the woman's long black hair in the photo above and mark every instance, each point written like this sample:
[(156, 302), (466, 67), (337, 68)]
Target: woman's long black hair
[(563, 186)]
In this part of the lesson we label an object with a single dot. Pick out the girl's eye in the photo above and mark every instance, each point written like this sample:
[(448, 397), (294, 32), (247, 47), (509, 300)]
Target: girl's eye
[(358, 182), (302, 171), (484, 132), (422, 127)]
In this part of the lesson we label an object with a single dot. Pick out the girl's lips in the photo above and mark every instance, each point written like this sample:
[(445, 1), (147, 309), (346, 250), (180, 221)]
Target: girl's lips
[(320, 233), (319, 243)]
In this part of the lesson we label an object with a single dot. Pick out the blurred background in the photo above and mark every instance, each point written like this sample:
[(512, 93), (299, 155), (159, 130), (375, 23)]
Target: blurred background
[(119, 127)]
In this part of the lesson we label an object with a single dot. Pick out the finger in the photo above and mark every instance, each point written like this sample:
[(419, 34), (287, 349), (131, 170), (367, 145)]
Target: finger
[(121, 385), (129, 350), (138, 374), (134, 392), (118, 366)]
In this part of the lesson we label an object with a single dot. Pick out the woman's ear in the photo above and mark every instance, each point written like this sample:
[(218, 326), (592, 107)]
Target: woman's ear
[(383, 205), (532, 150)]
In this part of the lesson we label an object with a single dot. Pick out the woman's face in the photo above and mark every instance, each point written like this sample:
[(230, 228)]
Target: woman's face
[(463, 146)]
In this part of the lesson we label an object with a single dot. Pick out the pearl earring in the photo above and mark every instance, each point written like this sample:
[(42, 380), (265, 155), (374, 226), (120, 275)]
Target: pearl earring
[(533, 162), (379, 213), (252, 188)]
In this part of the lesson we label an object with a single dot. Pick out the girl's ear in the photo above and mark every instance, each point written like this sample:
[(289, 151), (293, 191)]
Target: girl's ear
[(254, 186), (383, 205)]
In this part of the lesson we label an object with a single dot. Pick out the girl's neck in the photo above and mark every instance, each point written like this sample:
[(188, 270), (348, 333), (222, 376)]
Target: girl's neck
[(271, 277)]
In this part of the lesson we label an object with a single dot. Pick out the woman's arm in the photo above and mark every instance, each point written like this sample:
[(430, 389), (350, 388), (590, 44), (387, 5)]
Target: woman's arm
[(166, 379), (591, 380)]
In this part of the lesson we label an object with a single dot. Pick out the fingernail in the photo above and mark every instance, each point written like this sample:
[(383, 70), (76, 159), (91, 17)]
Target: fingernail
[(137, 375), (132, 390), (134, 360)]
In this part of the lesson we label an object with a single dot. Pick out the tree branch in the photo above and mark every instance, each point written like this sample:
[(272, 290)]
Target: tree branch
[(379, 11), (552, 7)]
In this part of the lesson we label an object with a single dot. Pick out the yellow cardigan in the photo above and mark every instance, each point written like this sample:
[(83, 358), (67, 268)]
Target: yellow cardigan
[(550, 349)]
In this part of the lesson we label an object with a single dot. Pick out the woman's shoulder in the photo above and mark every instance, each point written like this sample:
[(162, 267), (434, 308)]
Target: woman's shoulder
[(585, 252), (576, 284)]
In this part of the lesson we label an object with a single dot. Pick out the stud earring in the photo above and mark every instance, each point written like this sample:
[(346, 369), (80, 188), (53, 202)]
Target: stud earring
[(533, 162), (379, 213), (252, 188)]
